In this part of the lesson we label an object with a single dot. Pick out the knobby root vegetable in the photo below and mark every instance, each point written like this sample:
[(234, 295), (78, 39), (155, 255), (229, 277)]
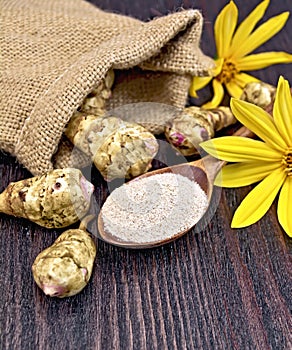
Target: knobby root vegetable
[(64, 268), (195, 125), (118, 149), (56, 199), (259, 93), (95, 102)]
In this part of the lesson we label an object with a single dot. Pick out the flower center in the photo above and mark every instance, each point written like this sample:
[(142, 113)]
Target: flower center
[(228, 72), (287, 161)]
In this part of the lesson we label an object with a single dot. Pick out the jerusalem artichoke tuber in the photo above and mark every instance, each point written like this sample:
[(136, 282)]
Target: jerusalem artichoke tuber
[(64, 268), (119, 149), (57, 199), (259, 93), (95, 102), (194, 125)]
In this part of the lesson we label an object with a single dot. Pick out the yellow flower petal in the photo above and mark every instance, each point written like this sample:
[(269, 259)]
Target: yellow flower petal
[(234, 89), (259, 122), (218, 95), (282, 111), (243, 174), (200, 82), (258, 201), (261, 35), (263, 60), (224, 28), (242, 79), (219, 64), (240, 149), (197, 84), (285, 206), (247, 25)]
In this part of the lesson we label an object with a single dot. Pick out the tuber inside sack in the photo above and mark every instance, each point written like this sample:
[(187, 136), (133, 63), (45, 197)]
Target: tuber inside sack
[(56, 54)]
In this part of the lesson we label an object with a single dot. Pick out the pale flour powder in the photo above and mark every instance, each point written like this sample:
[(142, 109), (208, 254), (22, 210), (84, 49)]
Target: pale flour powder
[(154, 208)]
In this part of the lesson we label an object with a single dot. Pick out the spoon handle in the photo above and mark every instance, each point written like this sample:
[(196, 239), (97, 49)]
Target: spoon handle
[(244, 132)]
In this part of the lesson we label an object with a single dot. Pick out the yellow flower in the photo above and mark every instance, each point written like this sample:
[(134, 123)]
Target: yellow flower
[(268, 162), (233, 48)]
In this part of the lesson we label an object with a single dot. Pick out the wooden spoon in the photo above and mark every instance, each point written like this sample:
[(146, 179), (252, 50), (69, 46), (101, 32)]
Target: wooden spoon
[(202, 171)]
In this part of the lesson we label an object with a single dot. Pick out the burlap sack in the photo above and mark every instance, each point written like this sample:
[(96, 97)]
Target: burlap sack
[(54, 52)]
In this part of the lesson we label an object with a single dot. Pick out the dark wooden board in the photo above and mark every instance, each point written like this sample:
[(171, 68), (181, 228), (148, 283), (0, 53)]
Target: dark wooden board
[(216, 289)]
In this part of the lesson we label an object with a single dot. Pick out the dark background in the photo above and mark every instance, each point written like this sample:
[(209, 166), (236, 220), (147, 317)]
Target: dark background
[(216, 289)]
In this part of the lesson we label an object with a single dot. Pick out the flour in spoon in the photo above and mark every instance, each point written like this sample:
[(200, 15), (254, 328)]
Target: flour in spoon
[(154, 208)]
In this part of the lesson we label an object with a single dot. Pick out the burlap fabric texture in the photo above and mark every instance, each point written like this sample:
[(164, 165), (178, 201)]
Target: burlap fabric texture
[(53, 53)]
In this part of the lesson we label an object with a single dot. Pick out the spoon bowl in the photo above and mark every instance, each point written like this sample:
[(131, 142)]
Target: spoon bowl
[(202, 171)]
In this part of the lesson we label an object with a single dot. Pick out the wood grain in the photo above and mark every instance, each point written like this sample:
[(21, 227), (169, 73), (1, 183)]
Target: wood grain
[(219, 288)]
